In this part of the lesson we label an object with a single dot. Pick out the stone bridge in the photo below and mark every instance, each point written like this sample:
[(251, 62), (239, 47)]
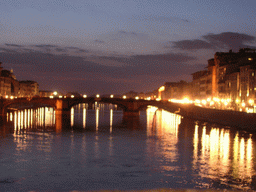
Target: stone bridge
[(131, 107)]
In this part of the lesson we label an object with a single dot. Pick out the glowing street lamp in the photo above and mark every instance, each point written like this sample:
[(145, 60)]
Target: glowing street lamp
[(84, 96), (204, 102), (251, 101), (55, 93), (72, 96), (137, 97), (111, 96), (124, 97), (97, 95)]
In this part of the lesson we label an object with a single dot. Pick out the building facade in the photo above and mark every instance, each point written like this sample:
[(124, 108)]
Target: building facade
[(229, 80), (28, 88), (11, 87)]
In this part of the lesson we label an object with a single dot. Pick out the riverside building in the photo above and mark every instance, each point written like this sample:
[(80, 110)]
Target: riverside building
[(10, 87)]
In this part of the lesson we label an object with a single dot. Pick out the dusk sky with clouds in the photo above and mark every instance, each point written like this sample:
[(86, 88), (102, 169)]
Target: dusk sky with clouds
[(107, 47)]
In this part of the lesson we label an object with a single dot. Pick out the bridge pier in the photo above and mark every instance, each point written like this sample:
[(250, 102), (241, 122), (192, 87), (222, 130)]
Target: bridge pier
[(62, 119), (131, 113)]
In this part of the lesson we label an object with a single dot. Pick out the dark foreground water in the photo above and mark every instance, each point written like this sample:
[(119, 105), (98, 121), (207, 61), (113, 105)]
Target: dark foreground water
[(102, 150)]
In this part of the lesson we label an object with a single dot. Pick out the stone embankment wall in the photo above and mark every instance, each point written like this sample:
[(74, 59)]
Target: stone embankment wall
[(235, 119)]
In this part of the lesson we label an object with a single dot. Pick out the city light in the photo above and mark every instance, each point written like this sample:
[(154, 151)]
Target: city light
[(186, 100), (55, 93), (111, 96), (51, 97), (251, 101), (124, 97), (72, 96), (161, 88), (137, 97), (97, 95), (204, 102), (84, 96)]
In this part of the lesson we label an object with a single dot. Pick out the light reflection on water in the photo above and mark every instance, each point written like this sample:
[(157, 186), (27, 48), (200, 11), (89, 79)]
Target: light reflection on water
[(156, 150)]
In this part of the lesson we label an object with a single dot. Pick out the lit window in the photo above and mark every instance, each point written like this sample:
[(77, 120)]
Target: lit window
[(252, 73), (250, 59)]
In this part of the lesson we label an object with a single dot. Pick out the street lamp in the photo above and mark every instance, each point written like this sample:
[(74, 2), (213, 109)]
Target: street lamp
[(251, 101)]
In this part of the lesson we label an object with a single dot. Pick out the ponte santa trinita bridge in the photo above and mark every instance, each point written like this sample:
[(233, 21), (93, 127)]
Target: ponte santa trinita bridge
[(132, 108)]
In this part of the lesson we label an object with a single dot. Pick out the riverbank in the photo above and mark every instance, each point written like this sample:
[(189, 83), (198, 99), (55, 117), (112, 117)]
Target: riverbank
[(236, 119)]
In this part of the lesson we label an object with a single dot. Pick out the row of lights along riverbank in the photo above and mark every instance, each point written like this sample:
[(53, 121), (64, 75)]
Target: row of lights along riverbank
[(216, 103)]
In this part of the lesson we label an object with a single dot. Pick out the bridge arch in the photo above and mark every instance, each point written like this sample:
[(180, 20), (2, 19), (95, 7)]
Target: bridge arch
[(91, 102)]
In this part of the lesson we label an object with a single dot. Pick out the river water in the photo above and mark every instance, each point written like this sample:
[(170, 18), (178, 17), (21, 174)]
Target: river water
[(102, 150)]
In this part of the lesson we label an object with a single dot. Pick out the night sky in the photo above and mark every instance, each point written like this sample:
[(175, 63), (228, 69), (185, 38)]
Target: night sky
[(107, 47)]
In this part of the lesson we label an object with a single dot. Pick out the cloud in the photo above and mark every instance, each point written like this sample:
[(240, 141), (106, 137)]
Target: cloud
[(7, 50), (60, 50), (230, 40), (192, 44), (78, 50), (46, 46), (75, 72), (117, 67), (226, 40), (13, 45)]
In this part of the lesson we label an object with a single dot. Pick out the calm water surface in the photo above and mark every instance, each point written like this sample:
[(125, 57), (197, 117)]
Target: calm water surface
[(101, 149)]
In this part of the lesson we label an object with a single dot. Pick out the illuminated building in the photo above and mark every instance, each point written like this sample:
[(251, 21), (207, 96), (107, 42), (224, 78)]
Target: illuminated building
[(43, 93), (229, 78), (9, 86), (172, 90), (28, 88), (201, 84)]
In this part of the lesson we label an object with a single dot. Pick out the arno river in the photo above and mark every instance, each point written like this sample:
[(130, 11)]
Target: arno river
[(102, 150)]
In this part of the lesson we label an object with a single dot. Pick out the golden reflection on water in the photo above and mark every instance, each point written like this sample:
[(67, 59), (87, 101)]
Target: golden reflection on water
[(97, 119), (164, 126), (221, 156), (84, 117), (81, 112), (111, 120), (218, 153), (24, 121), (161, 122), (72, 117)]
